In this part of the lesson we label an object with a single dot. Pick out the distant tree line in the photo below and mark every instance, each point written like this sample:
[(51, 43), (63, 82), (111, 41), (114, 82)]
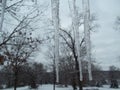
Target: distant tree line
[(35, 74), (28, 74)]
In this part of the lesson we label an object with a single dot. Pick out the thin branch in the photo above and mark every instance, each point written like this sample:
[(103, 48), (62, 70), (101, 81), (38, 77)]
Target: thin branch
[(15, 30), (14, 4)]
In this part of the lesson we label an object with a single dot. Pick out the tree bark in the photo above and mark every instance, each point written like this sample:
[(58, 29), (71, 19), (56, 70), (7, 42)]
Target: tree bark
[(15, 78), (80, 83)]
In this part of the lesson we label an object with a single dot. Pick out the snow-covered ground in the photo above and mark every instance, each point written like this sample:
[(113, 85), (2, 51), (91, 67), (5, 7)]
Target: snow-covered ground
[(50, 87)]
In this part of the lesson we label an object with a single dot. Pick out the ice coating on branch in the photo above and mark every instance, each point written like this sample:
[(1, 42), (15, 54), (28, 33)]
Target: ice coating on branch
[(87, 35), (76, 33), (2, 13), (55, 18)]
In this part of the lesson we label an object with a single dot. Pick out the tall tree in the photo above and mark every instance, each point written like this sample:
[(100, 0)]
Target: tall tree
[(19, 50), (19, 21), (18, 45)]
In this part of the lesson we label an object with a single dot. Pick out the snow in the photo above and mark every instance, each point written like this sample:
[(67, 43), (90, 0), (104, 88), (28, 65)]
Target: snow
[(50, 87), (42, 87), (21, 88)]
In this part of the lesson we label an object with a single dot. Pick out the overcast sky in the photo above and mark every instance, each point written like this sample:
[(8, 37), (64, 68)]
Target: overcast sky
[(106, 41)]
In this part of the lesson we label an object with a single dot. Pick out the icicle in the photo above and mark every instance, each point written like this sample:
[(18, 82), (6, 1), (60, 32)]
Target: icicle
[(2, 13), (55, 17), (87, 35), (76, 33)]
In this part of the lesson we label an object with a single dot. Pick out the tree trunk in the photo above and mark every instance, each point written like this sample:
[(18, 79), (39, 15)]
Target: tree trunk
[(78, 74), (15, 79), (54, 75), (81, 85)]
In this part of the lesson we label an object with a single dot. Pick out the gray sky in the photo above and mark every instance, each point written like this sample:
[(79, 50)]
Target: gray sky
[(106, 41)]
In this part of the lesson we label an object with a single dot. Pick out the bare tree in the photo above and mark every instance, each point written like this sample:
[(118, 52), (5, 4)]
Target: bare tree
[(113, 75), (19, 50), (25, 22), (19, 45), (36, 74), (70, 42)]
